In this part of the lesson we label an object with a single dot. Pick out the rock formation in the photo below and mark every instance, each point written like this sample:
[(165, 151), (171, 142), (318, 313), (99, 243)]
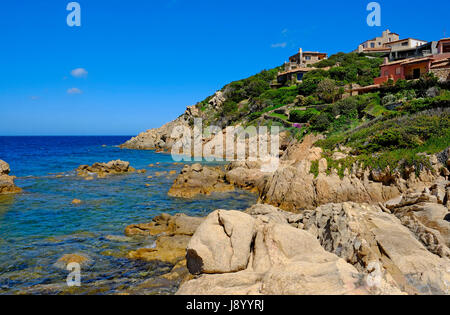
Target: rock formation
[(105, 169), (239, 253), (198, 179), (172, 236), (6, 181), (343, 248)]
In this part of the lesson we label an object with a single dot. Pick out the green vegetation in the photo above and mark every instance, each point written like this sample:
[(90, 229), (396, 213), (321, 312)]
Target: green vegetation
[(389, 127), (302, 116)]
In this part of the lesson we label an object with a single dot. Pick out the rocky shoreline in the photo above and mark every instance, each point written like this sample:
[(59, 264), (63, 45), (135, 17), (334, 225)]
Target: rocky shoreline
[(362, 233), (397, 247)]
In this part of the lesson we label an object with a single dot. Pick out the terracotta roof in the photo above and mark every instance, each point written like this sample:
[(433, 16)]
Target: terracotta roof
[(314, 53), (443, 63), (297, 70), (378, 49)]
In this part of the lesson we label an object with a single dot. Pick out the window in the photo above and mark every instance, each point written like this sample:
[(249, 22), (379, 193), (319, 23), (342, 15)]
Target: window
[(308, 57), (386, 73), (405, 44), (372, 45), (398, 71)]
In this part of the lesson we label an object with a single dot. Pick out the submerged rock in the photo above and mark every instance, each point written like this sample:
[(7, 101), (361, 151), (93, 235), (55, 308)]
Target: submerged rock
[(78, 258), (179, 224), (7, 185), (173, 234), (170, 249)]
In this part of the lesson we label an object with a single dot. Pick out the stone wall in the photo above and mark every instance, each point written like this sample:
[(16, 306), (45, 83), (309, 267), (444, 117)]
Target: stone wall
[(442, 73)]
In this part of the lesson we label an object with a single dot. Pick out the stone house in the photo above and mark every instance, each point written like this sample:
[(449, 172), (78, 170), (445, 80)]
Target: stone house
[(297, 67), (378, 44)]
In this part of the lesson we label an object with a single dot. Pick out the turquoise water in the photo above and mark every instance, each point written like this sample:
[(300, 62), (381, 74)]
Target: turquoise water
[(40, 225)]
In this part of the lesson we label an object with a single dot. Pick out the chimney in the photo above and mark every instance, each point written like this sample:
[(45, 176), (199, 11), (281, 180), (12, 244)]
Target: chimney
[(300, 54)]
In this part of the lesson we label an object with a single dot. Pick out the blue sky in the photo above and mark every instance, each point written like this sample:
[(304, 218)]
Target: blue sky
[(147, 60)]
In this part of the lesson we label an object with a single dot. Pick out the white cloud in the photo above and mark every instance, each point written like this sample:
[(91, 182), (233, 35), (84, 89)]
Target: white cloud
[(34, 97), (279, 45), (79, 73), (74, 91)]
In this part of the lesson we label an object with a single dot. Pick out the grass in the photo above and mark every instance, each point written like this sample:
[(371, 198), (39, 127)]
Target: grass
[(394, 142)]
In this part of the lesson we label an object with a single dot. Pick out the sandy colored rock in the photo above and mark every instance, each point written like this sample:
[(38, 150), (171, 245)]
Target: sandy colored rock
[(283, 260), (294, 188), (66, 259), (197, 179), (169, 249), (7, 185), (363, 234), (102, 170), (221, 243), (179, 224)]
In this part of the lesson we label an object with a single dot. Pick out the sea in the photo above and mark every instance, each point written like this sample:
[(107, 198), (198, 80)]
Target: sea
[(40, 225)]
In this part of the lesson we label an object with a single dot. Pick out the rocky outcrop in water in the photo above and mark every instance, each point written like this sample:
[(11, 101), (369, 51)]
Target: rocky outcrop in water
[(198, 179), (6, 181), (102, 170), (172, 236), (159, 139)]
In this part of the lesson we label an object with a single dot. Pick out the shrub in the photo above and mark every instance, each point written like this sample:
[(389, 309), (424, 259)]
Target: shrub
[(302, 116), (388, 99), (320, 122)]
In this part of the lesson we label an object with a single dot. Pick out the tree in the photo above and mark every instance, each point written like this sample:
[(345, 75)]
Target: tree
[(327, 90)]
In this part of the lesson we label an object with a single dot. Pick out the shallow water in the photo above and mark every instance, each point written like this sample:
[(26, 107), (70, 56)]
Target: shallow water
[(40, 225)]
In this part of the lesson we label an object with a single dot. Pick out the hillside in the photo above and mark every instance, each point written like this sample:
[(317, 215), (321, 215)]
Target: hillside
[(390, 125)]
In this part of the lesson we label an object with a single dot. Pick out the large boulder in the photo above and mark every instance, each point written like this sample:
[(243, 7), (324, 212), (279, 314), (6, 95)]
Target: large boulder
[(281, 259), (7, 185), (198, 179), (222, 243)]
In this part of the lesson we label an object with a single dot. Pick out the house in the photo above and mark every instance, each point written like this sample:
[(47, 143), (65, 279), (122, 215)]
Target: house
[(391, 44), (399, 52), (297, 67), (414, 68), (406, 43), (378, 44), (443, 46), (294, 75), (304, 58)]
